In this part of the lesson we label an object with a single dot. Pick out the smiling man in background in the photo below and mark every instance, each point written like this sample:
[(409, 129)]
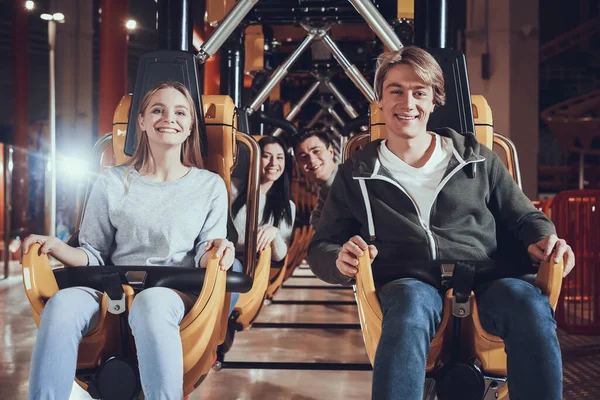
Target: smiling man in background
[(314, 154)]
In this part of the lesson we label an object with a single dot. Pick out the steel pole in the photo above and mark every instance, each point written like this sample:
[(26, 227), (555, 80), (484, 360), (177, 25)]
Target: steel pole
[(52, 128), (316, 118), (342, 99), (296, 110), (378, 24), (353, 73), (280, 73), (8, 172), (335, 115), (231, 21)]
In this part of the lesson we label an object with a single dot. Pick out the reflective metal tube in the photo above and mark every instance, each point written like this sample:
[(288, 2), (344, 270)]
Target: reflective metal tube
[(342, 99), (280, 73), (378, 24), (353, 73), (251, 202), (225, 28), (296, 110)]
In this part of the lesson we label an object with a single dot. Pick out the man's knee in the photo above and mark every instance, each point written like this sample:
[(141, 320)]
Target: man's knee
[(524, 308), (410, 305)]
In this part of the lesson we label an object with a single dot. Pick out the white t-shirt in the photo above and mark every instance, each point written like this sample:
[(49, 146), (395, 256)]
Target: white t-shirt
[(420, 183)]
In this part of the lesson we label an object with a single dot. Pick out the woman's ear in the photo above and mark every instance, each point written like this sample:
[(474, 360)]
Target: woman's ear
[(141, 122)]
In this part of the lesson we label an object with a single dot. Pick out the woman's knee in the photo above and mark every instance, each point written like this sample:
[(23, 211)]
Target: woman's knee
[(77, 306), (156, 306)]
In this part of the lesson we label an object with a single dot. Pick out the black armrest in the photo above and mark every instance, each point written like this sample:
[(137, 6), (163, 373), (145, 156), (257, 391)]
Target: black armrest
[(182, 279)]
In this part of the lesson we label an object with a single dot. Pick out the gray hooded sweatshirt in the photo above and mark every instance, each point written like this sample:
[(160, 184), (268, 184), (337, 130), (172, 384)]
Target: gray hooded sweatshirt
[(479, 214)]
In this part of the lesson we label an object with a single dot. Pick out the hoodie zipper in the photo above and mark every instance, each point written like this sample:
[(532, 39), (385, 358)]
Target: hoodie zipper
[(430, 238)]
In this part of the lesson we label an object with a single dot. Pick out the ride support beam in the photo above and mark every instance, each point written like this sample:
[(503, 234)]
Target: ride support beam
[(113, 61), (315, 119), (226, 27), (232, 67), (280, 73), (342, 99), (176, 25), (378, 24), (350, 69), (18, 160), (20, 78), (298, 107), (335, 115), (431, 24)]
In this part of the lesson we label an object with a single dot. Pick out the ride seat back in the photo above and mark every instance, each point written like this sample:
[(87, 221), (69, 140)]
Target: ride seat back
[(163, 66)]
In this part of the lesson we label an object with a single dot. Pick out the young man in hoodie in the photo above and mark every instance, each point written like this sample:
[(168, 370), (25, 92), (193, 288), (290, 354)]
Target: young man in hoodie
[(314, 154), (422, 195)]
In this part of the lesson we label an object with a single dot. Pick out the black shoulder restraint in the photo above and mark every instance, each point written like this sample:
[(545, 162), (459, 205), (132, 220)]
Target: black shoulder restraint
[(111, 283), (463, 280)]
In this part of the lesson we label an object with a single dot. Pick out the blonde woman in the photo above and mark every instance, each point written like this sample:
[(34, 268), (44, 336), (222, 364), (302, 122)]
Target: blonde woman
[(161, 208)]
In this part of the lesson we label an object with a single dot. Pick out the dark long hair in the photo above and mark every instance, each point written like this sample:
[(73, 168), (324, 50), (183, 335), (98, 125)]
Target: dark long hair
[(277, 203)]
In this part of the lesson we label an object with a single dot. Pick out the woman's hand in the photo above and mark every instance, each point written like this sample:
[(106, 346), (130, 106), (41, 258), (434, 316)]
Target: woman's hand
[(225, 248), (67, 255), (49, 244), (265, 237)]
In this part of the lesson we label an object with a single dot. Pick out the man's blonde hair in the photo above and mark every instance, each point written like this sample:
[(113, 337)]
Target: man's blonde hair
[(424, 65)]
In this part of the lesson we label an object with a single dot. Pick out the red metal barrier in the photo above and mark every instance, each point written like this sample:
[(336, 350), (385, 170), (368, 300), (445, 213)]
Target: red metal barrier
[(576, 215), (543, 205)]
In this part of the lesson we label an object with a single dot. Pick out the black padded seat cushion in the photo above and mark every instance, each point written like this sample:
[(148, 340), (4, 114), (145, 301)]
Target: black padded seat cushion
[(187, 280)]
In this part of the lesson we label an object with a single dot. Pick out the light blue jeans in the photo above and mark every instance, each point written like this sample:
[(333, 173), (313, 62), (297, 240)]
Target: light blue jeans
[(154, 320), (510, 308)]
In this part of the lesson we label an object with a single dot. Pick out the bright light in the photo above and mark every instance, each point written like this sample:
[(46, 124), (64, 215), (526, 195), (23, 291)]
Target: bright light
[(29, 5), (131, 24), (73, 168), (58, 17), (46, 17)]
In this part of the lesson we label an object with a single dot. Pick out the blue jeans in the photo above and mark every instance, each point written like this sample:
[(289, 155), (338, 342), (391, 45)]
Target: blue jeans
[(154, 320), (237, 267), (510, 308)]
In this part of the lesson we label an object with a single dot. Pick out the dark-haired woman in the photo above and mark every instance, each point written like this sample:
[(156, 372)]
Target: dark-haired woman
[(276, 211)]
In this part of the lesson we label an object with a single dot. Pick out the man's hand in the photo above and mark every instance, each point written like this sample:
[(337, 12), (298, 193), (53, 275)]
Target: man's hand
[(542, 251), (347, 259)]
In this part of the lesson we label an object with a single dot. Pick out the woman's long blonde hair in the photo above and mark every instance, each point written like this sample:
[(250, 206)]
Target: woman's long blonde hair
[(191, 155)]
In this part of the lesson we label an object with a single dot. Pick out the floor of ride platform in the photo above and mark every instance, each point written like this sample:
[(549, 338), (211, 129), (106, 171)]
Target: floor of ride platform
[(284, 332)]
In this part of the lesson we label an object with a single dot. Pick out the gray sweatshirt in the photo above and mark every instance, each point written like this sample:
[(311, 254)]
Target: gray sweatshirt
[(154, 223), (279, 246)]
